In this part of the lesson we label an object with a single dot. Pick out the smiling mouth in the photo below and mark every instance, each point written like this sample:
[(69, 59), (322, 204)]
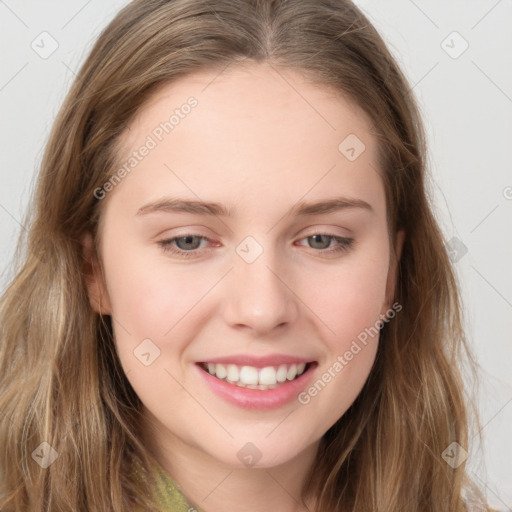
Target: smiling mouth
[(269, 377)]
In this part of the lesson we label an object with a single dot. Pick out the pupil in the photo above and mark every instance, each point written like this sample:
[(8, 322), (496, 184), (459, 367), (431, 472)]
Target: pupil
[(187, 240), (317, 237)]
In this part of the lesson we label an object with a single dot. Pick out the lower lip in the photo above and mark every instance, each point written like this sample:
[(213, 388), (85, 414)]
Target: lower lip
[(247, 398)]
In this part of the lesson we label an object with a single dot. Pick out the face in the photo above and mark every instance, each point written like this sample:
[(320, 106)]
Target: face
[(243, 325)]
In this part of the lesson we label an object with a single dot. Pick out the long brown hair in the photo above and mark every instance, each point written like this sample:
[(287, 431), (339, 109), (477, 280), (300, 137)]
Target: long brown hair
[(61, 380)]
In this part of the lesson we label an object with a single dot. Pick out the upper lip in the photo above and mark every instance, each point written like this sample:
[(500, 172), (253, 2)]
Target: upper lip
[(258, 361)]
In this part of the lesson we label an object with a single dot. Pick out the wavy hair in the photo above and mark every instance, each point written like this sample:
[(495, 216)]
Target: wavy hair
[(61, 381)]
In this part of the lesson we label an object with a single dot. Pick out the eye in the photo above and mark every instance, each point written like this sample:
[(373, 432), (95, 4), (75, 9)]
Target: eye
[(185, 245), (322, 241), (189, 245)]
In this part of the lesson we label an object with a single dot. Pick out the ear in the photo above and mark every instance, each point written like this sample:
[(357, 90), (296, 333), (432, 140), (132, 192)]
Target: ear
[(393, 269), (95, 282)]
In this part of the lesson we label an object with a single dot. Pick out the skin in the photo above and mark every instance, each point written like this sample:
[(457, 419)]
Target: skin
[(259, 141)]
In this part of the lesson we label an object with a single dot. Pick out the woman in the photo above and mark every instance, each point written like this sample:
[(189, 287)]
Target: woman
[(137, 370)]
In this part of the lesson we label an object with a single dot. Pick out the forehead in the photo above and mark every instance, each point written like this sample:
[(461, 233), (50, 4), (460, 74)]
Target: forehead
[(255, 131), (256, 97)]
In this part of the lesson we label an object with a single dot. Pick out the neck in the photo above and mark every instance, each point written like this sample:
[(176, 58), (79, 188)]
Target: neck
[(215, 486)]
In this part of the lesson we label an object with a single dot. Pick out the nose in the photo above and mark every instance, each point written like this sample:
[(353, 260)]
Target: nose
[(259, 295)]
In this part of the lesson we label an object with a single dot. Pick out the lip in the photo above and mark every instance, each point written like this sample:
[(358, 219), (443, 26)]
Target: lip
[(258, 362), (247, 398)]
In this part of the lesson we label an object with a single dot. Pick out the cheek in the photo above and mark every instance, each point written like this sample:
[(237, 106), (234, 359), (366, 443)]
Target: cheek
[(150, 300), (155, 301), (349, 298), (349, 305)]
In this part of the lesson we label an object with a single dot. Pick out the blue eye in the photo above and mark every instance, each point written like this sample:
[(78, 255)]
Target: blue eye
[(183, 241), (342, 244), (189, 244)]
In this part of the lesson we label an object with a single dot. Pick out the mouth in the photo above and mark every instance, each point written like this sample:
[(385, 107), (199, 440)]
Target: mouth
[(260, 378)]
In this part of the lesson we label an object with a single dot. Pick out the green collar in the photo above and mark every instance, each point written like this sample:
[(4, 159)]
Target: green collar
[(168, 494)]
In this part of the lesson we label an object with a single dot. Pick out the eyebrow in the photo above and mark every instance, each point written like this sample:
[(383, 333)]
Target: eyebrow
[(302, 209)]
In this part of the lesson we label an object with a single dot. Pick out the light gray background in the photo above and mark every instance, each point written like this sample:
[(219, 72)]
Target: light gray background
[(466, 101)]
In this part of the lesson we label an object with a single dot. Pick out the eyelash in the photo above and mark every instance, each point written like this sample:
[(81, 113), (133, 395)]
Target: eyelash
[(343, 244)]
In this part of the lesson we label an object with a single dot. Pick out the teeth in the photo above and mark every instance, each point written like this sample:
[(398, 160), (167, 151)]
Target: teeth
[(219, 370), (233, 373), (248, 375), (255, 378), (268, 376), (281, 373), (292, 372)]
